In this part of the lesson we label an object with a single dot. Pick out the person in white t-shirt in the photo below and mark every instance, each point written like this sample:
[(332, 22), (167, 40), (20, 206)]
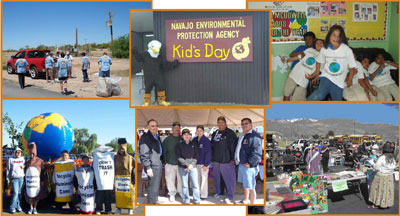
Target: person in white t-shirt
[(382, 80), (296, 84), (359, 90), (365, 62), (337, 60)]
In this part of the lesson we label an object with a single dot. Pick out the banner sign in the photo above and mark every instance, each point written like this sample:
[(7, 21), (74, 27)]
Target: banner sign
[(103, 165), (64, 176), (216, 39)]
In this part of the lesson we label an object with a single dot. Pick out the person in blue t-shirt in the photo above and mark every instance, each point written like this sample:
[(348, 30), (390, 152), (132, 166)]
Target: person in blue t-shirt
[(21, 65), (309, 39), (105, 62), (49, 62), (85, 66), (62, 67)]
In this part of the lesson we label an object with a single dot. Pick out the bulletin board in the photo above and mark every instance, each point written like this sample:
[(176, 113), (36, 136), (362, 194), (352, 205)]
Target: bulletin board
[(291, 20)]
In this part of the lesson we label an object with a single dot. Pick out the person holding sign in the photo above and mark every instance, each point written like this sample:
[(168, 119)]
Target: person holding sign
[(15, 176), (124, 190), (336, 59), (154, 63), (63, 178), (187, 154), (34, 179), (150, 152), (85, 178), (103, 165)]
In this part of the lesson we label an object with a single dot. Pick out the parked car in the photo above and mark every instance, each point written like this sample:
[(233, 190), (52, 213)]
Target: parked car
[(35, 59), (299, 143)]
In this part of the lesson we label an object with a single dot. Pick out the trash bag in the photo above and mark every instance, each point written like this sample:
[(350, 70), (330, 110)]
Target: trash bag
[(116, 90), (103, 87)]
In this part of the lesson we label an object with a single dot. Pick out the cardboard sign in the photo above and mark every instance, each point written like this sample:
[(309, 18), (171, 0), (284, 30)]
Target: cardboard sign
[(103, 165), (216, 39), (123, 192), (339, 185), (86, 190), (64, 177), (32, 182)]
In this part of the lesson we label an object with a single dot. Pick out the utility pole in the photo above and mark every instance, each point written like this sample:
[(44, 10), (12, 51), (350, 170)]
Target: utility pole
[(109, 23)]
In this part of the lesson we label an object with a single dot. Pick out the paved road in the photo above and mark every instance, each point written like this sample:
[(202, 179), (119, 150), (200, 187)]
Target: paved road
[(12, 90)]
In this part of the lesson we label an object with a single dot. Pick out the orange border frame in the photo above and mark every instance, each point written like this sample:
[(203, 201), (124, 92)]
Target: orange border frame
[(197, 107), (225, 205)]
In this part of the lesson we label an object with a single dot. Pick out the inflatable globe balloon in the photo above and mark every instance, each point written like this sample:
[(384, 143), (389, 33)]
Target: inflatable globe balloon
[(52, 134)]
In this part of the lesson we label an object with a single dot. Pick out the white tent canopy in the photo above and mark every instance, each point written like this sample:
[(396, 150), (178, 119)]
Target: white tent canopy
[(194, 117)]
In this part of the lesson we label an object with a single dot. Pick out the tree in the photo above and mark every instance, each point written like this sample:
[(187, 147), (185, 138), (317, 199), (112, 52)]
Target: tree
[(14, 132), (84, 143), (120, 47), (331, 133), (316, 136)]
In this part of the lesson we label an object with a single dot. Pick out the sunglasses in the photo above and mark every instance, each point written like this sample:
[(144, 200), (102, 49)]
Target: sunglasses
[(246, 123), (153, 125)]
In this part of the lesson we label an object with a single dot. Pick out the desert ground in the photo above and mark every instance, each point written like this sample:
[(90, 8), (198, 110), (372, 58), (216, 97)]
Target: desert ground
[(119, 68)]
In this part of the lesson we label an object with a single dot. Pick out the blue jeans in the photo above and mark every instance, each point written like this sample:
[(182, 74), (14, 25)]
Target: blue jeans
[(85, 75), (326, 87), (17, 188), (192, 174), (105, 73)]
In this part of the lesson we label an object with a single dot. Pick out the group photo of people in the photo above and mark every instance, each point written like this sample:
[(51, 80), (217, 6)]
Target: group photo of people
[(196, 165)]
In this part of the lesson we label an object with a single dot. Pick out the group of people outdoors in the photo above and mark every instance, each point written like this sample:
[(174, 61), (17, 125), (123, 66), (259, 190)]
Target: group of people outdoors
[(339, 73), (233, 159), (318, 158), (85, 188), (59, 68)]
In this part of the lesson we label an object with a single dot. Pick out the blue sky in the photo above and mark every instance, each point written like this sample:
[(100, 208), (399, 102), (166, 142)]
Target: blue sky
[(54, 23), (108, 119), (361, 112)]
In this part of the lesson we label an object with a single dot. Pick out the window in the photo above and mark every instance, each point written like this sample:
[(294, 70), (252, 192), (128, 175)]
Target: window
[(20, 55), (36, 54)]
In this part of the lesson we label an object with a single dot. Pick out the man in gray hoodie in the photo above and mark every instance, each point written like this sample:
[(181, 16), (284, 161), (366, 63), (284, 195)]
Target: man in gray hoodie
[(15, 176)]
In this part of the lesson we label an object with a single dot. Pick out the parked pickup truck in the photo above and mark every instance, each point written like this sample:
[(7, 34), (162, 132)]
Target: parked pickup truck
[(35, 59)]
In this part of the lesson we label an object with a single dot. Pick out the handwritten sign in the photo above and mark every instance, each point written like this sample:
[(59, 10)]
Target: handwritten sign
[(339, 185), (217, 39)]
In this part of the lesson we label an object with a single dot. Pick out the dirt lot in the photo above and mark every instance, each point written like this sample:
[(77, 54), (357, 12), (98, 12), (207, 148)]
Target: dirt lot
[(119, 68)]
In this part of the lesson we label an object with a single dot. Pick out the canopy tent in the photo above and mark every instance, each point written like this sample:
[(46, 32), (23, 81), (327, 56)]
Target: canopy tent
[(194, 117)]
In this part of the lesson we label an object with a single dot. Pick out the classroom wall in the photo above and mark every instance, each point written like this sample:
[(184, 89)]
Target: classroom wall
[(391, 45)]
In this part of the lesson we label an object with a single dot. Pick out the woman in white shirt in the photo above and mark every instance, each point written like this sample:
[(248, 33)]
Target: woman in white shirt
[(381, 192)]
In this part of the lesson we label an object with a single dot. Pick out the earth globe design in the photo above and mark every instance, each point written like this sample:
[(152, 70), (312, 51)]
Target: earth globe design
[(310, 61), (334, 67), (52, 134)]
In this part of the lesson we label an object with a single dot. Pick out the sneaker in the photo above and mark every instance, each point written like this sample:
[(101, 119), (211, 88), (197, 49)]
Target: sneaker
[(19, 210), (62, 92), (172, 198), (216, 196), (228, 201), (98, 212), (242, 202), (130, 211), (30, 211), (118, 211), (34, 211), (12, 211), (65, 91)]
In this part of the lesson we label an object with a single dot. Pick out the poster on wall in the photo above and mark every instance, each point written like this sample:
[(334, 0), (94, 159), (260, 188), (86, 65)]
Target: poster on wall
[(365, 12), (333, 8), (313, 10), (214, 39)]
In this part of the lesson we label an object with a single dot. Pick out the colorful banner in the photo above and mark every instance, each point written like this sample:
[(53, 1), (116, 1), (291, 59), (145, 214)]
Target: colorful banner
[(291, 20), (103, 165), (123, 191), (219, 39), (63, 178), (32, 182)]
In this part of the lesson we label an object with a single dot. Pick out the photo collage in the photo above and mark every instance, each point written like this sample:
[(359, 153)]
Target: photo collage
[(247, 107)]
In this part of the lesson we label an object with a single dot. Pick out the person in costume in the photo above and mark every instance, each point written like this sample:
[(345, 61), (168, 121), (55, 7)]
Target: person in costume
[(63, 178), (154, 63), (124, 190), (34, 179), (85, 189), (15, 177)]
